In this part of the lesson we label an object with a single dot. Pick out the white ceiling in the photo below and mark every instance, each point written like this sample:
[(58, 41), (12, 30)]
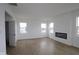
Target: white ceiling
[(43, 9)]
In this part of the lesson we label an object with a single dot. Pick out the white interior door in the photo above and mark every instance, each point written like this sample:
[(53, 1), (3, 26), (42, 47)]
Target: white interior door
[(12, 33)]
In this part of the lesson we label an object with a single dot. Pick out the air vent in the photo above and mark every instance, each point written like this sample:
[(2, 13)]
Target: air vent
[(13, 4)]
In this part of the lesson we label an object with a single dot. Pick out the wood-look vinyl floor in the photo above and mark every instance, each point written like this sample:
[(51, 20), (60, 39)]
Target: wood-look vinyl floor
[(42, 46)]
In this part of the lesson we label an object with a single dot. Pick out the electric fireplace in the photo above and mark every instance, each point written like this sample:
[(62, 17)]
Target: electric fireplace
[(61, 35)]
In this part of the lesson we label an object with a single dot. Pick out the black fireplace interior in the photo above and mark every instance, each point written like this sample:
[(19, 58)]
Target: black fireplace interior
[(61, 35)]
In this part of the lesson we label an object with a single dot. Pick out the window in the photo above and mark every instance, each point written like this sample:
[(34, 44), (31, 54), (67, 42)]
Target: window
[(43, 27), (23, 27), (51, 27), (77, 25)]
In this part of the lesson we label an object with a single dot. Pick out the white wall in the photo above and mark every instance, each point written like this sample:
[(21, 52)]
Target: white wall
[(63, 23), (2, 30), (66, 23), (74, 36), (33, 27)]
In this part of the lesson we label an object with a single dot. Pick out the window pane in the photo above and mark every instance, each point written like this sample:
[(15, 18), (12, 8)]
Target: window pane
[(23, 27), (23, 24), (77, 25), (43, 27), (51, 25), (78, 30), (77, 21)]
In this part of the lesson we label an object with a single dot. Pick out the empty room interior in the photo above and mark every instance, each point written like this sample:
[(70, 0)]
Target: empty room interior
[(39, 28)]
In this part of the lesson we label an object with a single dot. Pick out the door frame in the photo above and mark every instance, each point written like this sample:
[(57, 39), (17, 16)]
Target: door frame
[(11, 20)]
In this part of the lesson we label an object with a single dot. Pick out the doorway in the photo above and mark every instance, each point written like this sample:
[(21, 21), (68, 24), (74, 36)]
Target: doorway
[(9, 30)]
